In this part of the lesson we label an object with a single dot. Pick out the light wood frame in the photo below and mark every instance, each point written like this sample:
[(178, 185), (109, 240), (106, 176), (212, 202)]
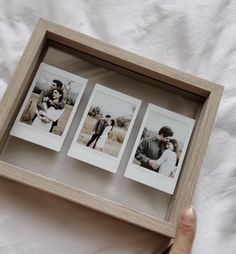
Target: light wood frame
[(210, 92)]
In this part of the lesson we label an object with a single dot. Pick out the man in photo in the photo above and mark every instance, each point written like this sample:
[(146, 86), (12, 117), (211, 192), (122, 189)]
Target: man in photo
[(98, 130), (46, 118), (46, 98), (151, 149)]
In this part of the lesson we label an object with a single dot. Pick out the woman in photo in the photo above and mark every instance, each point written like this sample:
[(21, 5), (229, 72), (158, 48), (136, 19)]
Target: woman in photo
[(169, 159), (46, 118), (103, 138)]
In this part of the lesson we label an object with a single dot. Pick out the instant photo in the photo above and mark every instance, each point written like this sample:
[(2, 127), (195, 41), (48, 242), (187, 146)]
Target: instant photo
[(160, 148), (105, 128), (49, 107)]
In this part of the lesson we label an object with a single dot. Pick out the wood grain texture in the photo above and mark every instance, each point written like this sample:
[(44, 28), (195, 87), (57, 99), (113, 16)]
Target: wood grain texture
[(209, 91), (195, 156), (87, 199), (129, 60), (126, 72)]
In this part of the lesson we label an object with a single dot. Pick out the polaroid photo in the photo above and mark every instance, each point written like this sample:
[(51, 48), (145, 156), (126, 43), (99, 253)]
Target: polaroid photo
[(105, 128), (160, 148), (49, 107)]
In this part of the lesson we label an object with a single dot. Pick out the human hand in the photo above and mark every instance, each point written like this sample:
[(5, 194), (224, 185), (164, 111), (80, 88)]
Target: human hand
[(185, 233), (153, 164), (45, 99)]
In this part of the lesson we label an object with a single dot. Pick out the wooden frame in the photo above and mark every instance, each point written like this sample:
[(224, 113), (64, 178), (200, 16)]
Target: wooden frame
[(134, 65)]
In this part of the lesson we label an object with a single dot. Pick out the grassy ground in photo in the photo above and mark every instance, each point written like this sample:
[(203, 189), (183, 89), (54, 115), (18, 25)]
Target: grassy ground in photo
[(30, 110), (114, 141)]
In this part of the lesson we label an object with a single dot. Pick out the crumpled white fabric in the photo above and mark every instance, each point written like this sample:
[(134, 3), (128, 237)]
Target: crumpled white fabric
[(197, 37)]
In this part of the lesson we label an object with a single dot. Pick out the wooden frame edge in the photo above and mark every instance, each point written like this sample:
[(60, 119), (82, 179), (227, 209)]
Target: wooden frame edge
[(124, 58), (208, 116), (86, 199)]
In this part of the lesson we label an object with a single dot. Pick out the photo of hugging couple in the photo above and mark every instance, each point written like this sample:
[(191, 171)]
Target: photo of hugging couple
[(160, 148), (159, 153)]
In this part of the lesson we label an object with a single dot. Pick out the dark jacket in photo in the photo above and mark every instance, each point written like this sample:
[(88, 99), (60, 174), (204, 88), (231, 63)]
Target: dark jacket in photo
[(100, 126), (149, 149)]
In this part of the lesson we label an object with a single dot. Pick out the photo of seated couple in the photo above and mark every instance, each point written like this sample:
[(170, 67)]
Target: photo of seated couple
[(51, 103), (50, 106)]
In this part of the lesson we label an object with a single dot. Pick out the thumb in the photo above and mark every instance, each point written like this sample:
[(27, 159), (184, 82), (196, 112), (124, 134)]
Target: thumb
[(185, 232)]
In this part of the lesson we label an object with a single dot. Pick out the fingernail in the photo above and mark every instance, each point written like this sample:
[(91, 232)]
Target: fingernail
[(189, 215)]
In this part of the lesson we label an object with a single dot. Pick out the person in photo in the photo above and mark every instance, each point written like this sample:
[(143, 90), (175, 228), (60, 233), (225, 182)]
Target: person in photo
[(103, 138), (98, 130), (169, 159), (50, 113), (151, 149), (46, 96)]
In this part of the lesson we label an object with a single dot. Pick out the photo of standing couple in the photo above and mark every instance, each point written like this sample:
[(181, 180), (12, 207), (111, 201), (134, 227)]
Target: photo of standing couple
[(107, 121), (101, 130), (104, 129)]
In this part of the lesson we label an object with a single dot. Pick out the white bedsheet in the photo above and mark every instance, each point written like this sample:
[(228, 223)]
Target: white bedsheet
[(197, 37)]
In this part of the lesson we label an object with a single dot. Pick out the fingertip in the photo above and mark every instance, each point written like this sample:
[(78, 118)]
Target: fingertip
[(187, 224), (189, 215), (185, 233)]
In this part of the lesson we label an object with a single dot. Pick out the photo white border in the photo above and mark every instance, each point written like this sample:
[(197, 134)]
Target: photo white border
[(92, 156), (35, 135), (147, 176)]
